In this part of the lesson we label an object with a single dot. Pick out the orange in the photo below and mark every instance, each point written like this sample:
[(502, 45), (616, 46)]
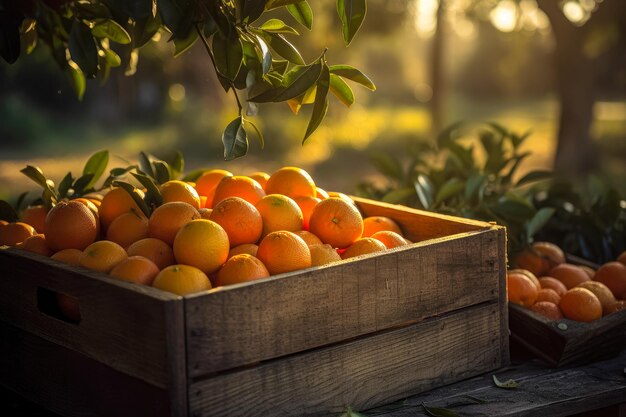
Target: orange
[(175, 190), (156, 250), (203, 200), (529, 274), (240, 219), (321, 194), (94, 209), (36, 217), (182, 280), (547, 294), (323, 254), (343, 196), (309, 237), (279, 212), (553, 284), (13, 233), (375, 224), (336, 222), (521, 289), (622, 258), (238, 186), (241, 268), (292, 182), (203, 244), (205, 213), (70, 224), (601, 291), (306, 204), (116, 202), (3, 223), (363, 246), (260, 177), (547, 309), (390, 239), (540, 257), (616, 306), (166, 220), (68, 256), (69, 306), (580, 304), (249, 248), (127, 229), (136, 269), (568, 274), (284, 251), (613, 275), (207, 182), (35, 244), (588, 270), (102, 256)]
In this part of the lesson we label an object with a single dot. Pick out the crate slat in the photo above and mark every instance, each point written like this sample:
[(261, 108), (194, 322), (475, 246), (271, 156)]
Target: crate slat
[(361, 373)]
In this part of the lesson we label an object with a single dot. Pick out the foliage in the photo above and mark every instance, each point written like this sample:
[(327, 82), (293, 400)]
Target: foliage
[(451, 178), (249, 52)]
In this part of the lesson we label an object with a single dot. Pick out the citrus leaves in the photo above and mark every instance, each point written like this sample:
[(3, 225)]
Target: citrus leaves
[(252, 56)]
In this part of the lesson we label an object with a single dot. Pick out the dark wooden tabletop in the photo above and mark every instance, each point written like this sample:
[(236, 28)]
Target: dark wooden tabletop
[(573, 390)]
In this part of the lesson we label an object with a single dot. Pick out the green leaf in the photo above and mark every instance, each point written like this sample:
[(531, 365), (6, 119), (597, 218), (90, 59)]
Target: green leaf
[(251, 10), (439, 411), (145, 29), (509, 384), (534, 176), (110, 29), (284, 48), (473, 184), (266, 56), (539, 220), (116, 173), (280, 66), (228, 55), (352, 13), (153, 196), (341, 90), (96, 164), (35, 174), (297, 80), (258, 132), (277, 26), (424, 190), (449, 189), (80, 185), (77, 78), (88, 10), (7, 212), (177, 165), (302, 12), (131, 190), (235, 140), (274, 4), (320, 106), (65, 185), (399, 195), (112, 58), (513, 209), (162, 171), (193, 175), (350, 413), (29, 34), (83, 49), (145, 165), (136, 9), (353, 74), (183, 44), (388, 165)]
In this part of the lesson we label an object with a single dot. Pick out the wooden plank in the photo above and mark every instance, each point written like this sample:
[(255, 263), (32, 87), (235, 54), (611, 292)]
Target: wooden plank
[(176, 358), (123, 325), (417, 224), (246, 323), (71, 384), (360, 373), (575, 343), (541, 392)]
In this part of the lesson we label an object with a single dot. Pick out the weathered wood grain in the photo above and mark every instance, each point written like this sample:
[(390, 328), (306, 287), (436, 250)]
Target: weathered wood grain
[(72, 384), (123, 325), (360, 373), (246, 323), (541, 392), (577, 343)]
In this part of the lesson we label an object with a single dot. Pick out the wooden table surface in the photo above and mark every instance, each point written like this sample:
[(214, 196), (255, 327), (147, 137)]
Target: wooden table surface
[(542, 391)]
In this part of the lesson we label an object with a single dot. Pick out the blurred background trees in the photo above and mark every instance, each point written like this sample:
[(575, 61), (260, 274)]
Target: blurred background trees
[(557, 68)]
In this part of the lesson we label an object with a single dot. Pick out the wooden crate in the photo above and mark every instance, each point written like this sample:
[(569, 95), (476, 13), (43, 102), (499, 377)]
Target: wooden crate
[(357, 333), (567, 342)]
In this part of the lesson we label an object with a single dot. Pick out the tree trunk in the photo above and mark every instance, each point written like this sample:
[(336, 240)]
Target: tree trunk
[(437, 75)]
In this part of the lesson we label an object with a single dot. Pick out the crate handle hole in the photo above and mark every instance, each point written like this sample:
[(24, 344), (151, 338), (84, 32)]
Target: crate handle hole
[(58, 305)]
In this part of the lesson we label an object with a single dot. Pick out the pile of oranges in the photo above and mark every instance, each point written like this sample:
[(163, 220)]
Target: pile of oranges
[(221, 229), (549, 286)]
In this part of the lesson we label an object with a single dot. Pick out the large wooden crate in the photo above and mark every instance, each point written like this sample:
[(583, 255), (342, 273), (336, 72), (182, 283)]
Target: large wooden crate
[(357, 333)]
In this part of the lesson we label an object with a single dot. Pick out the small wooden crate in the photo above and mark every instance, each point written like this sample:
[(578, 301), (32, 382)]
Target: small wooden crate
[(357, 333), (567, 342)]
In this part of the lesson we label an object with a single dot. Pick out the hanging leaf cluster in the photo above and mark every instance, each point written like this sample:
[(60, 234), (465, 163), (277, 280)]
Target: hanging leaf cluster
[(251, 54)]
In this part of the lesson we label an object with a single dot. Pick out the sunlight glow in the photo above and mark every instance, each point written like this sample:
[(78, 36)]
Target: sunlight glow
[(177, 92), (574, 12), (504, 16), (425, 19)]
